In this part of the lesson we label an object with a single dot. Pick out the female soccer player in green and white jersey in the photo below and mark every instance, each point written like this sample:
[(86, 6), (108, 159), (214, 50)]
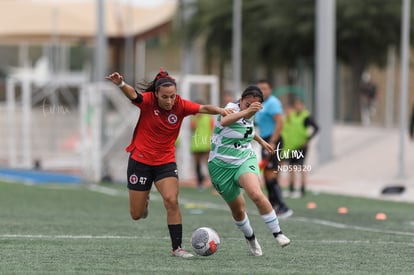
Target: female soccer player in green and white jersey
[(233, 165)]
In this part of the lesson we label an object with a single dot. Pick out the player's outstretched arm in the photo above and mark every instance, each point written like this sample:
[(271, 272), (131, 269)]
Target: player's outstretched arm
[(232, 118), (214, 110), (127, 89)]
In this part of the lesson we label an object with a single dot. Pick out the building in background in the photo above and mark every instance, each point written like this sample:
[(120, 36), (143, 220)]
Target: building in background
[(46, 52)]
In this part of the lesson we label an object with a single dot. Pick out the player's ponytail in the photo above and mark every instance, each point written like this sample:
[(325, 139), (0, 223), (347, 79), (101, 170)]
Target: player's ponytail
[(162, 79)]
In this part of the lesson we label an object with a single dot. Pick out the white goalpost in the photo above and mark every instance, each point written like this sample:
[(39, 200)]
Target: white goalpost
[(32, 135), (184, 159)]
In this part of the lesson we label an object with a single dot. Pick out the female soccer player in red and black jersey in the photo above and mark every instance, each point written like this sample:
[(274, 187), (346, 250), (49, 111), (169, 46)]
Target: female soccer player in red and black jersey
[(152, 150)]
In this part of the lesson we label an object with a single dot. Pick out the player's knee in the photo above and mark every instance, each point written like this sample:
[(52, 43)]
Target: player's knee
[(171, 203), (257, 198), (238, 214)]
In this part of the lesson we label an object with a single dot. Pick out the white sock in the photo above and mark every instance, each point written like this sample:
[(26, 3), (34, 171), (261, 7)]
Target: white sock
[(244, 226), (271, 221)]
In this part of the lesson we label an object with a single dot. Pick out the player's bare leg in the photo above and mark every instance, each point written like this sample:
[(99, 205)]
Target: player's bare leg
[(138, 203), (241, 220), (168, 188), (251, 184)]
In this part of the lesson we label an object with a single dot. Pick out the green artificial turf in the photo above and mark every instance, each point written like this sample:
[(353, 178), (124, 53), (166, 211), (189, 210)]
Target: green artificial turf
[(58, 229)]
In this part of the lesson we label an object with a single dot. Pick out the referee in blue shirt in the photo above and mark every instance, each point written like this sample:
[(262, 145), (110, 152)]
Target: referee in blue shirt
[(270, 122)]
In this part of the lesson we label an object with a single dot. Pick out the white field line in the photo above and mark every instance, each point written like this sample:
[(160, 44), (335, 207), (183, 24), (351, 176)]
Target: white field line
[(106, 190), (109, 237), (353, 227), (223, 207), (29, 236)]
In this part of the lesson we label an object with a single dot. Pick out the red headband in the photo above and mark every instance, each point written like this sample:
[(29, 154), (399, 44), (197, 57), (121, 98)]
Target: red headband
[(163, 74)]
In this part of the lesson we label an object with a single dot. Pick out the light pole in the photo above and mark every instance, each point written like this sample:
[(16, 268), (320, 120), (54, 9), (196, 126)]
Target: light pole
[(236, 50), (405, 45), (325, 75)]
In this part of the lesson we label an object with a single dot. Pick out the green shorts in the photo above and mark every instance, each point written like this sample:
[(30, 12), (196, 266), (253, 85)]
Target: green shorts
[(226, 179)]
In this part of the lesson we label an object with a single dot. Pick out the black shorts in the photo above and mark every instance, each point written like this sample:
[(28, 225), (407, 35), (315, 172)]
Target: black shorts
[(298, 156), (141, 176), (273, 159)]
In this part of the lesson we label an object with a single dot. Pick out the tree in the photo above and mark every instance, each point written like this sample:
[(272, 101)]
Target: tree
[(211, 21), (365, 31), (278, 33), (274, 32)]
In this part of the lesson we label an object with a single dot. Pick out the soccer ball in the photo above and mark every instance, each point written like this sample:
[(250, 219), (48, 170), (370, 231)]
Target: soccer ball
[(205, 241)]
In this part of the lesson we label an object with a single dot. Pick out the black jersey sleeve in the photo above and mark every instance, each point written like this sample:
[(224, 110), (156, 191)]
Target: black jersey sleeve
[(138, 99), (310, 122)]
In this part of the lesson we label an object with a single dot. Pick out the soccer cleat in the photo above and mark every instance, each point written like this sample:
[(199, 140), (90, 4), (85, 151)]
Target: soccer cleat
[(179, 252), (282, 240), (284, 212), (254, 247), (145, 214)]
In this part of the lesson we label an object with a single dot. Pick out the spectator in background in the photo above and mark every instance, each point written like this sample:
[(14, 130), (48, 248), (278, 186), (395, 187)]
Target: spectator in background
[(368, 92), (270, 121), (201, 128), (295, 141)]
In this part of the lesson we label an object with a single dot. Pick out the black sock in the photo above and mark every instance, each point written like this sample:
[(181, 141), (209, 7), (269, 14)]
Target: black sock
[(176, 235), (302, 189), (277, 233), (271, 193), (200, 176), (252, 237), (279, 194)]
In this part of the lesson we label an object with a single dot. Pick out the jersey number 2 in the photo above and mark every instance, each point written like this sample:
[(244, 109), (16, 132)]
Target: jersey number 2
[(249, 130)]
